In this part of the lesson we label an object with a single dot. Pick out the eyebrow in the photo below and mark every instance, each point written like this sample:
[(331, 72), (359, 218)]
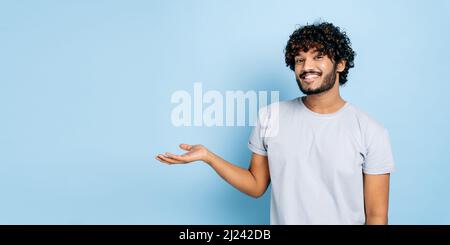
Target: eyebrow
[(315, 53)]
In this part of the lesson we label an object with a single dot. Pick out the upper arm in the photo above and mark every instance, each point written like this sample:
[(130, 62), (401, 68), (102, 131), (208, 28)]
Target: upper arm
[(376, 194), (259, 167)]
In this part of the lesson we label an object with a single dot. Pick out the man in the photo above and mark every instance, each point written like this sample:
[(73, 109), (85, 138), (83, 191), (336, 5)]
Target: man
[(328, 162)]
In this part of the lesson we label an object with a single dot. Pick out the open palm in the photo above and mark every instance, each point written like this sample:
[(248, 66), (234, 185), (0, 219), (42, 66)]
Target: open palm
[(194, 153)]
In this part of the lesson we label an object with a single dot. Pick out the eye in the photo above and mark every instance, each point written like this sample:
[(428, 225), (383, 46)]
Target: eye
[(318, 57), (299, 61)]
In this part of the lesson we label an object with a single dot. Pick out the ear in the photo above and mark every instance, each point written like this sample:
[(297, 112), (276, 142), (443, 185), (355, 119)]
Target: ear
[(341, 66)]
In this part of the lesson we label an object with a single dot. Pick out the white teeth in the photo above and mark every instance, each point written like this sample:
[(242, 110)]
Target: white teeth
[(311, 76)]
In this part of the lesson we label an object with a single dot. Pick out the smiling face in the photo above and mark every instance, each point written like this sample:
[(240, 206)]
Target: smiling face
[(315, 72)]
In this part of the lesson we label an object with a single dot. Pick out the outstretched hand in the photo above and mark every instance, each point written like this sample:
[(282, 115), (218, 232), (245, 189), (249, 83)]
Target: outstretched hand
[(194, 153)]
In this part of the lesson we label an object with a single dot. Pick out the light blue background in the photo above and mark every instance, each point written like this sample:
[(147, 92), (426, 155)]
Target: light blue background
[(85, 106)]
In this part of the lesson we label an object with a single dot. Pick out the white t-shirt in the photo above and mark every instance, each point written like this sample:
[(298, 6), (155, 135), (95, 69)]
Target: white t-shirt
[(317, 161)]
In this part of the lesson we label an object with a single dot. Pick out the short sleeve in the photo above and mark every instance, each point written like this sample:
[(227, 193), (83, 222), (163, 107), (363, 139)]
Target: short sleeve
[(256, 142), (379, 158)]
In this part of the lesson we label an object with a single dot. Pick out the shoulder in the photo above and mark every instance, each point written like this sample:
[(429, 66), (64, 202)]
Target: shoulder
[(368, 125), (280, 106), (269, 116)]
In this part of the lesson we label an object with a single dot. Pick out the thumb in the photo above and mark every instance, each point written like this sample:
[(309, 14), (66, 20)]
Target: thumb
[(185, 147)]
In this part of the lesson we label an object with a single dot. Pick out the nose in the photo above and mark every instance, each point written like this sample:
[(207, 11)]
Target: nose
[(308, 64)]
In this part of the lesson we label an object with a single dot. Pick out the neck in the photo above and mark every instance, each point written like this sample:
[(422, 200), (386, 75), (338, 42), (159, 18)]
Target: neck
[(327, 102)]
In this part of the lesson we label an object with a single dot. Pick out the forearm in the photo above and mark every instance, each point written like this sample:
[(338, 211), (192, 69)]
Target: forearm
[(241, 178)]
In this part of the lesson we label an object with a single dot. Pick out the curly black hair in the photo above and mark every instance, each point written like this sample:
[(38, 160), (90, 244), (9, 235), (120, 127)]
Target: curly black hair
[(327, 39)]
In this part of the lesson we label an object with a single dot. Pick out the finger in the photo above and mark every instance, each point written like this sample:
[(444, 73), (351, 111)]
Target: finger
[(185, 147), (161, 160), (168, 160), (175, 157)]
